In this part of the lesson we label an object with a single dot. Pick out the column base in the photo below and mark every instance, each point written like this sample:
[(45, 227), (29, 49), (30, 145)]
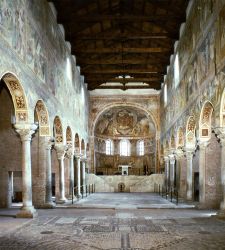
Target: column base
[(27, 212), (202, 206), (48, 205), (70, 197), (78, 195), (61, 201)]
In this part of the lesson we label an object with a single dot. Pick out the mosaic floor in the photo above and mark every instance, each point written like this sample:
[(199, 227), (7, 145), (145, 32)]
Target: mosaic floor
[(115, 229)]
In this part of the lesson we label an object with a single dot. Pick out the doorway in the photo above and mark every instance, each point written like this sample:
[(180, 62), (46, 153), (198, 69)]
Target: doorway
[(196, 186)]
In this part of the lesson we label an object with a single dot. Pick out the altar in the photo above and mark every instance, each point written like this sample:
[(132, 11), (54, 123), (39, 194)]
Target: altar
[(124, 169)]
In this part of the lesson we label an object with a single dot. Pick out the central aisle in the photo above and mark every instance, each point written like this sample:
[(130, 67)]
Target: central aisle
[(126, 201)]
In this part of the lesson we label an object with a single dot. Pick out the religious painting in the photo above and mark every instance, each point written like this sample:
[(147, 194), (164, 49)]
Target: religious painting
[(121, 121), (124, 122)]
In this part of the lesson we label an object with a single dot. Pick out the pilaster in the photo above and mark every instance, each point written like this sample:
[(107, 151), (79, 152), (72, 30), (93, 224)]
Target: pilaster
[(202, 172), (221, 136)]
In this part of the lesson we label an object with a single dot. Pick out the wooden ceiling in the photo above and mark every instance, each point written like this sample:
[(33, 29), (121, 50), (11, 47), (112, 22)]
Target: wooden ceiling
[(114, 39)]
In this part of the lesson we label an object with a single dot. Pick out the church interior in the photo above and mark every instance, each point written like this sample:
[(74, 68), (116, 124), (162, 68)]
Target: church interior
[(112, 124)]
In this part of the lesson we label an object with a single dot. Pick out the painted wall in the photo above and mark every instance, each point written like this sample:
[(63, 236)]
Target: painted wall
[(34, 49)]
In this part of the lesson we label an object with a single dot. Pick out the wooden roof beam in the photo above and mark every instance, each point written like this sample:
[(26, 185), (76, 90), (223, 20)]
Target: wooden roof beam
[(122, 50), (123, 80), (128, 18), (153, 86)]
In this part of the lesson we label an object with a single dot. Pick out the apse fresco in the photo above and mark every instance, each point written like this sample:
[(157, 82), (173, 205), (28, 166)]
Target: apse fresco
[(124, 121)]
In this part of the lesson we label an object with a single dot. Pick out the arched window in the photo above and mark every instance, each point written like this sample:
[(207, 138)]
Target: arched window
[(140, 148), (176, 71), (124, 147), (109, 147), (165, 94)]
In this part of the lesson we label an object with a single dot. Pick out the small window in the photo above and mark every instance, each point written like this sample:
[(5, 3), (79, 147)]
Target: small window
[(109, 147), (124, 147), (176, 71), (165, 94), (140, 148)]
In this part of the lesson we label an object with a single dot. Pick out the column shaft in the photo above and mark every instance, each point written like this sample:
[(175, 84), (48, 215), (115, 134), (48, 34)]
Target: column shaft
[(172, 171), (189, 156), (48, 197), (202, 163), (83, 176), (25, 131), (61, 180), (78, 176)]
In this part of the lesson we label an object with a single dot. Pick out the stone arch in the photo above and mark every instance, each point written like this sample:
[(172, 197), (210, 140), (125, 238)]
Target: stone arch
[(69, 136), (180, 138), (58, 130), (205, 121), (222, 110), (82, 147), (87, 147), (190, 136), (172, 142), (43, 118), (133, 105), (77, 144), (18, 97)]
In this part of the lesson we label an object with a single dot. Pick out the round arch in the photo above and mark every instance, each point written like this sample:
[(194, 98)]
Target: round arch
[(180, 138), (82, 147), (172, 142), (58, 130), (18, 97), (77, 144), (69, 136), (149, 113), (43, 118), (205, 121), (190, 137)]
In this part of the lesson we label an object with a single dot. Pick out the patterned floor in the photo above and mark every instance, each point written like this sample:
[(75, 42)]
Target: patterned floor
[(128, 226), (116, 230)]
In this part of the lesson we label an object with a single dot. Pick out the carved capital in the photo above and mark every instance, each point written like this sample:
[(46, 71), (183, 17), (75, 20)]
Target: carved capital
[(70, 153), (172, 159), (203, 145), (49, 143), (25, 131), (77, 155), (179, 153), (83, 159), (189, 155), (166, 158), (60, 150)]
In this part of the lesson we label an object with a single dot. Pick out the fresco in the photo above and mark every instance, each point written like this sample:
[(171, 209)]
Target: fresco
[(121, 121), (33, 47)]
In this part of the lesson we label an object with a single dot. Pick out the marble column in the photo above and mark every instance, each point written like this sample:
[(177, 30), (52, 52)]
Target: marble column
[(189, 192), (202, 165), (166, 159), (25, 131), (84, 174), (172, 170), (77, 156), (48, 198), (61, 150), (70, 155)]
